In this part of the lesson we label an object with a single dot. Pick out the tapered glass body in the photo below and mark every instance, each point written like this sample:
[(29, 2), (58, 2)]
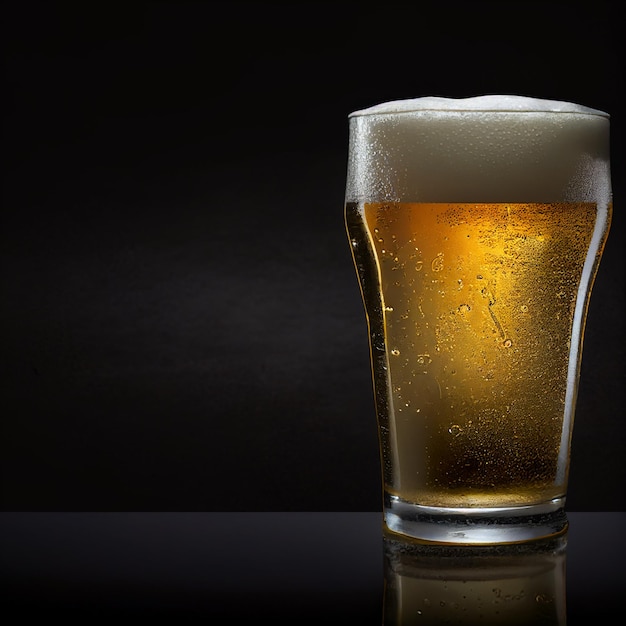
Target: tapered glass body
[(476, 228)]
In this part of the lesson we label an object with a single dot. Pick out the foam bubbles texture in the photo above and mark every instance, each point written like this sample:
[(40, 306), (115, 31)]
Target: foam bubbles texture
[(480, 103), (483, 149)]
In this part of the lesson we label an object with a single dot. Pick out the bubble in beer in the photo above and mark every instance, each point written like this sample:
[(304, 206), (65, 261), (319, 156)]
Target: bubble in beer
[(455, 430), (395, 352)]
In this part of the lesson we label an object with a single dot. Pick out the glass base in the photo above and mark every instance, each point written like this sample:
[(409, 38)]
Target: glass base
[(474, 526)]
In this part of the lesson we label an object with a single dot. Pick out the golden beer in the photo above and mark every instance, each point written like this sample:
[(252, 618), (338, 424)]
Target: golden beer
[(476, 278)]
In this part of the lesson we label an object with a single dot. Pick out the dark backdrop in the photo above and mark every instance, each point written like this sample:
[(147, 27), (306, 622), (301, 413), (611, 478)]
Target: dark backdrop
[(181, 323)]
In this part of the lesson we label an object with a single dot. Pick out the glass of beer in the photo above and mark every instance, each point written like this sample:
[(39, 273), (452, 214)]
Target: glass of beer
[(476, 227)]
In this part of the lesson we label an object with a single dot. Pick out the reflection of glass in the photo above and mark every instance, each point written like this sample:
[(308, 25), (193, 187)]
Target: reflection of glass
[(470, 585), (476, 227)]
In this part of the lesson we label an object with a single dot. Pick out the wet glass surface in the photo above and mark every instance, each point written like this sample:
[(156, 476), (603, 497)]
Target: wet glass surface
[(301, 568)]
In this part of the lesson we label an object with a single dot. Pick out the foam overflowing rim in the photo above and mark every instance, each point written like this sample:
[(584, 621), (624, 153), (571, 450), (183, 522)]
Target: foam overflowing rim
[(478, 104)]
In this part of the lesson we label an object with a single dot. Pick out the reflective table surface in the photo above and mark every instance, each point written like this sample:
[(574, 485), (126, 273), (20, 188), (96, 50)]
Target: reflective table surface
[(295, 568)]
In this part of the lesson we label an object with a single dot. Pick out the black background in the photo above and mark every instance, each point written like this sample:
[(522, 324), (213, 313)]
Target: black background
[(182, 326)]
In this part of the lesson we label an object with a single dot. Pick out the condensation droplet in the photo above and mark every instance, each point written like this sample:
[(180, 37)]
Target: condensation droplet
[(455, 430), (419, 265), (507, 343), (437, 263), (395, 352), (389, 309), (523, 308)]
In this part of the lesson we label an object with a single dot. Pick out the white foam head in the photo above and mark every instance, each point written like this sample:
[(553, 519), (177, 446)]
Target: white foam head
[(499, 148)]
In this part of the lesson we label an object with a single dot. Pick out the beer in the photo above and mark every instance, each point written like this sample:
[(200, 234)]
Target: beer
[(478, 301), (476, 236)]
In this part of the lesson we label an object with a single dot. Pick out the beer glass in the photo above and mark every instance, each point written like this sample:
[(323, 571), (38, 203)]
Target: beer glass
[(476, 227)]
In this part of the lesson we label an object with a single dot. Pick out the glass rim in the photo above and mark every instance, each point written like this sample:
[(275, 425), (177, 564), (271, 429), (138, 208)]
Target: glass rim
[(492, 104)]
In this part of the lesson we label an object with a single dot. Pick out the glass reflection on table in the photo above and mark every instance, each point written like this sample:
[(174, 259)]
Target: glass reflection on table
[(515, 584)]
